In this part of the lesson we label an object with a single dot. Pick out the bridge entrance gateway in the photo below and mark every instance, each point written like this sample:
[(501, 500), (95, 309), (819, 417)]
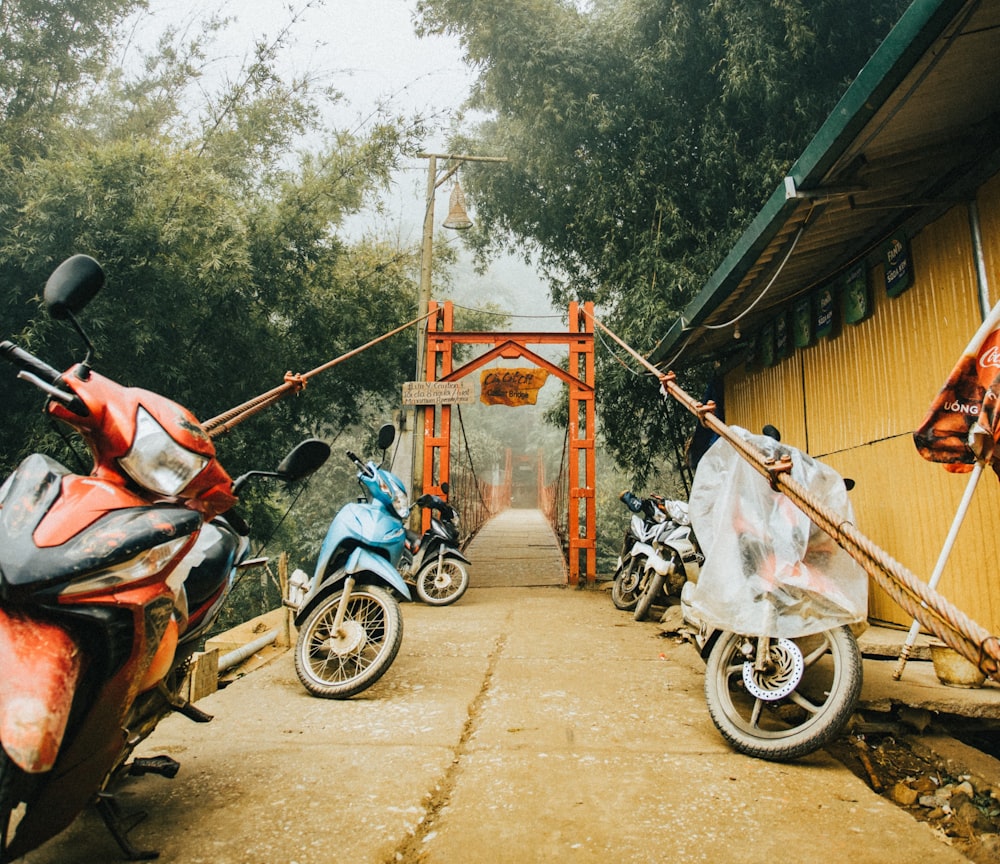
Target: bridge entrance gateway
[(579, 378)]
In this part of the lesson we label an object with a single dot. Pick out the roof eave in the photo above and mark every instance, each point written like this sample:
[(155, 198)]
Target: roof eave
[(906, 43)]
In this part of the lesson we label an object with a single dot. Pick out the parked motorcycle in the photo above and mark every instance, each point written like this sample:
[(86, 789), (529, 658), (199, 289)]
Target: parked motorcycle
[(673, 558), (433, 563), (777, 605), (349, 621), (107, 582), (647, 516)]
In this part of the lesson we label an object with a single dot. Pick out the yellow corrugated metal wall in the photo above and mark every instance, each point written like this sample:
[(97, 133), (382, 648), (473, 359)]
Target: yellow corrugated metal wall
[(854, 401)]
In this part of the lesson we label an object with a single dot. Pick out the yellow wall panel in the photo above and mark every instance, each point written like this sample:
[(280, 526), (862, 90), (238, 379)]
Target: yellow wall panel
[(772, 395), (855, 399), (988, 201)]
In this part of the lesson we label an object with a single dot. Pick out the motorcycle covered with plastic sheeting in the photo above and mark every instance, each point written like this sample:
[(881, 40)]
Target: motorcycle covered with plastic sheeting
[(776, 604)]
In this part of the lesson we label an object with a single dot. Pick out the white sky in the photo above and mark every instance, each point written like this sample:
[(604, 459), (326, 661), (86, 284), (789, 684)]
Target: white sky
[(368, 50)]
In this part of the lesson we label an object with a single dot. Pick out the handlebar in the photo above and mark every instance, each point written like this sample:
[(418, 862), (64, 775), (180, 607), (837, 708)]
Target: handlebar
[(29, 363), (435, 502), (361, 465), (43, 376)]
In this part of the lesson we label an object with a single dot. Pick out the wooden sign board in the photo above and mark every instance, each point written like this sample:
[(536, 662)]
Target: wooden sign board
[(439, 392)]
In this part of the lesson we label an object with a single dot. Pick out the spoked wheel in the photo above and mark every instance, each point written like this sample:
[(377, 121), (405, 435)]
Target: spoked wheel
[(651, 588), (338, 664), (625, 588), (798, 703), (442, 582)]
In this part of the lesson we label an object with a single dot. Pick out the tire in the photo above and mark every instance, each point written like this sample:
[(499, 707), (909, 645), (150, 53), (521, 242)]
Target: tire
[(625, 588), (797, 708), (13, 783), (7, 802), (652, 590), (333, 669), (441, 583)]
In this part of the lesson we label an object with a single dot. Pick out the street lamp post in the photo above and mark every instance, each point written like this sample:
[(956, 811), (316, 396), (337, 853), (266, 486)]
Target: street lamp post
[(452, 163)]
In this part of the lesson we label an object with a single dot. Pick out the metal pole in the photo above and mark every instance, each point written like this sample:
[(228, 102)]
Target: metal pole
[(424, 296), (949, 543), (423, 301)]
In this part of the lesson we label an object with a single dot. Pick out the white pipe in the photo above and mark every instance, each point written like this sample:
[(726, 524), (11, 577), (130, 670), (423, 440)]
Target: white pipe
[(949, 542), (227, 661)]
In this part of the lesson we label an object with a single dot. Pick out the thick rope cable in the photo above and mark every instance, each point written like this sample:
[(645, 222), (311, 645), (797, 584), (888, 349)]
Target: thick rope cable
[(916, 598), (293, 384)]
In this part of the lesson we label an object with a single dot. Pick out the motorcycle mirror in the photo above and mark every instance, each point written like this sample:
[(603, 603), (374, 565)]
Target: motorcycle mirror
[(72, 286), (445, 487), (306, 458), (386, 435)]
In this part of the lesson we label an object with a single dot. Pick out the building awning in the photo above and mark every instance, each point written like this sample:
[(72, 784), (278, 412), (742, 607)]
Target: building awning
[(915, 134)]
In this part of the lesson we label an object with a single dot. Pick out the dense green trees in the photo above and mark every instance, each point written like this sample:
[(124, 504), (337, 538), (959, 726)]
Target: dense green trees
[(220, 231), (643, 136)]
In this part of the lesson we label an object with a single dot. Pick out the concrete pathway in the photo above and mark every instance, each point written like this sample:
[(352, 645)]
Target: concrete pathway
[(519, 725)]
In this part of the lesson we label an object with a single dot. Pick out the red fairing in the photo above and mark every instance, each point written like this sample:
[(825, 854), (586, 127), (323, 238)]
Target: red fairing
[(41, 667), (109, 431)]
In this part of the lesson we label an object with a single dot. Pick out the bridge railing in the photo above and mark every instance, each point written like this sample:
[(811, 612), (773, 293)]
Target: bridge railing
[(476, 500), (553, 499)]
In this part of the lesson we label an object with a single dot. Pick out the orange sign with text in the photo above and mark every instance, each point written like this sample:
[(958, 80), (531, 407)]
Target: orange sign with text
[(514, 386)]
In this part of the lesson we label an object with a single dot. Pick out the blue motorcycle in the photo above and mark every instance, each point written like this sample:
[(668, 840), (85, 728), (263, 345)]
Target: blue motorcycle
[(349, 621)]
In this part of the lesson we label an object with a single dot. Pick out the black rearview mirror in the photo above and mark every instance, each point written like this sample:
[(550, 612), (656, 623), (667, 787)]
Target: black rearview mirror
[(73, 285), (306, 458)]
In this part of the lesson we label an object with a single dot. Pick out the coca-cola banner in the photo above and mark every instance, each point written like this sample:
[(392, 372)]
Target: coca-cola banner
[(961, 425)]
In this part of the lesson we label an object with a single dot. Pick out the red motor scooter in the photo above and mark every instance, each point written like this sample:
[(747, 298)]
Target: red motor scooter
[(107, 581)]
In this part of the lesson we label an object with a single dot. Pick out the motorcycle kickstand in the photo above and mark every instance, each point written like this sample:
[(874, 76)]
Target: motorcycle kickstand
[(119, 826)]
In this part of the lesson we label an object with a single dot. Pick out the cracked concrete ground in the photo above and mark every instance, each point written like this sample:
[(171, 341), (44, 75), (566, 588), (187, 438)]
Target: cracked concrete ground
[(519, 725)]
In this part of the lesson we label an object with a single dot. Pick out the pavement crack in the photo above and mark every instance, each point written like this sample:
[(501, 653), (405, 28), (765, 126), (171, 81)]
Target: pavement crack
[(411, 849)]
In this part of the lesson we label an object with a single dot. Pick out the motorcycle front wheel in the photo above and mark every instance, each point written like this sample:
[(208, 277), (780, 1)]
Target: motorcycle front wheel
[(12, 781), (442, 582), (625, 588), (336, 665), (796, 705), (651, 589)]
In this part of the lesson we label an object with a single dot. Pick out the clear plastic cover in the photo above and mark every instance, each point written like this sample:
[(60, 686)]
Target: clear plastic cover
[(769, 571)]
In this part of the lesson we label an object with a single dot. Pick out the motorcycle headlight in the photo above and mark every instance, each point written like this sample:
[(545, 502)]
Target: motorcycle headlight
[(401, 504), (396, 495), (158, 463), (142, 566)]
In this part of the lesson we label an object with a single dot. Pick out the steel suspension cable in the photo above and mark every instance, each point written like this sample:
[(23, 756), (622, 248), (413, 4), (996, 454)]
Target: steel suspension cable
[(293, 384), (948, 623)]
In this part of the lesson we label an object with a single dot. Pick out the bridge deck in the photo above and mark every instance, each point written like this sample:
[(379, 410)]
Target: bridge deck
[(516, 548)]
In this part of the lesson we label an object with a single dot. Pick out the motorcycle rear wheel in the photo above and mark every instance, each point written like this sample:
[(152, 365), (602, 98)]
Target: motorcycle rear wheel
[(625, 588), (799, 705), (337, 667), (442, 583)]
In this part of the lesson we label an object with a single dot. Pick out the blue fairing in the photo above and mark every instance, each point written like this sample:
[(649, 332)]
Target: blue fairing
[(363, 561), (364, 528)]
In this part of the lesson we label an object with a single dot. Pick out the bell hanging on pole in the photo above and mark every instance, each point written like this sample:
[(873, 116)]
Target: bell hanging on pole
[(458, 219)]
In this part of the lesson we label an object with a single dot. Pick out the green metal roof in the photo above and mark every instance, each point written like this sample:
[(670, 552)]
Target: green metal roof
[(914, 134)]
